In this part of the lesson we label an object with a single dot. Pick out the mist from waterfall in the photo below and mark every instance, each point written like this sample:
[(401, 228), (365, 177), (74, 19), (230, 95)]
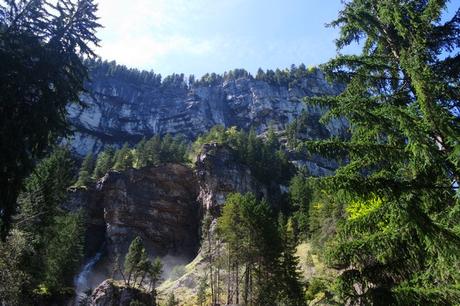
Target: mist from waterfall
[(81, 281)]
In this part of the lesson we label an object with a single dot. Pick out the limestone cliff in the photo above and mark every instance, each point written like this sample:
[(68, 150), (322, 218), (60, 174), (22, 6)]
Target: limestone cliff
[(120, 109), (156, 203)]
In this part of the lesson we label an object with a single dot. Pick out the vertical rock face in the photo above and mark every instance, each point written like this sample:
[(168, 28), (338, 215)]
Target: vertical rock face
[(119, 110), (163, 204), (158, 204), (219, 173)]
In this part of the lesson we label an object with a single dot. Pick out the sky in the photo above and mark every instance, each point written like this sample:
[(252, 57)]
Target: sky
[(200, 36)]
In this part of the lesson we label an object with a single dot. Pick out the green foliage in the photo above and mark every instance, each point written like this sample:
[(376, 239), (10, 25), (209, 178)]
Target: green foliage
[(135, 261), (291, 291), (394, 237), (123, 158), (42, 71), (47, 240), (264, 251), (315, 286), (306, 126), (300, 197), (44, 190), (104, 163), (152, 152), (359, 208), (86, 169), (159, 150), (287, 77), (63, 251), (201, 294), (138, 267), (99, 69), (14, 280), (266, 159)]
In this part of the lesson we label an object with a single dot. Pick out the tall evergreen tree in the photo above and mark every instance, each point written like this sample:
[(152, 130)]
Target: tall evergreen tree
[(123, 158), (54, 237), (291, 292), (86, 169), (136, 261), (399, 241), (42, 46), (104, 163)]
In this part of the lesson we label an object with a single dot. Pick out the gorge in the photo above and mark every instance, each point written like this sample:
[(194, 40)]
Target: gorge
[(164, 204)]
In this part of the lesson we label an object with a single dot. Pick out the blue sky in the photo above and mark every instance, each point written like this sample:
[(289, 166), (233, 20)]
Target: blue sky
[(199, 36)]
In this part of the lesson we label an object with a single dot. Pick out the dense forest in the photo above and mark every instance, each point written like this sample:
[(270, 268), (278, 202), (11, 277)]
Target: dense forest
[(287, 77), (383, 229)]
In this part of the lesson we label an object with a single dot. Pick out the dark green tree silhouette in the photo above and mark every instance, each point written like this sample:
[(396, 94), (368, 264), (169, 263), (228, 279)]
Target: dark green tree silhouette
[(42, 45), (398, 242)]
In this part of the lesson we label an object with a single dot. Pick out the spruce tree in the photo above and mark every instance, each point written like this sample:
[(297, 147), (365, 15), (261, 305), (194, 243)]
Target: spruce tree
[(398, 242), (42, 49), (123, 158), (136, 261), (104, 163), (291, 292), (86, 169)]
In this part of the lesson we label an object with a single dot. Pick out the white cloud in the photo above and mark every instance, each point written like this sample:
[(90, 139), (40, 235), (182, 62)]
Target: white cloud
[(141, 32)]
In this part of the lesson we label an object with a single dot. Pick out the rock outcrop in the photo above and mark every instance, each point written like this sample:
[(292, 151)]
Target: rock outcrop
[(163, 205), (156, 203), (110, 293), (119, 110), (220, 173)]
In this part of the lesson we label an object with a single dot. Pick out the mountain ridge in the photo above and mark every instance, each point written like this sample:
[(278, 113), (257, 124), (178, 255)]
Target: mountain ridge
[(126, 105)]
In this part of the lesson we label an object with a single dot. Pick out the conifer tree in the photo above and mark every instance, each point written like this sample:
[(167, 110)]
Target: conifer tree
[(42, 47), (291, 292), (123, 158), (399, 241), (86, 169), (136, 261), (104, 163)]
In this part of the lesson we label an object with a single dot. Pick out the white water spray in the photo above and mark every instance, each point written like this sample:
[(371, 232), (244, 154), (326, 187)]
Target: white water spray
[(81, 280)]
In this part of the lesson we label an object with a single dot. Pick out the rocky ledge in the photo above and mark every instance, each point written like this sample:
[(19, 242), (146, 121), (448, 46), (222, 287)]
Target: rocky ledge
[(111, 293)]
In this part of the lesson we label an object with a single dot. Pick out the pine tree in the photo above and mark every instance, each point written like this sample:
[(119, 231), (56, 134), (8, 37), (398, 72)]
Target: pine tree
[(123, 158), (253, 245), (154, 149), (42, 71), (300, 196), (154, 273), (86, 169), (63, 251), (136, 262), (291, 292), (398, 242), (104, 163)]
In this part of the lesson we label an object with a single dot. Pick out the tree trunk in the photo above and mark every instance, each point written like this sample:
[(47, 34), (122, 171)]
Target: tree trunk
[(237, 283), (246, 285), (229, 279)]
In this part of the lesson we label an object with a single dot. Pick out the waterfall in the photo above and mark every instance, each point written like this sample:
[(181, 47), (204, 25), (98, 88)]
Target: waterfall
[(81, 280)]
